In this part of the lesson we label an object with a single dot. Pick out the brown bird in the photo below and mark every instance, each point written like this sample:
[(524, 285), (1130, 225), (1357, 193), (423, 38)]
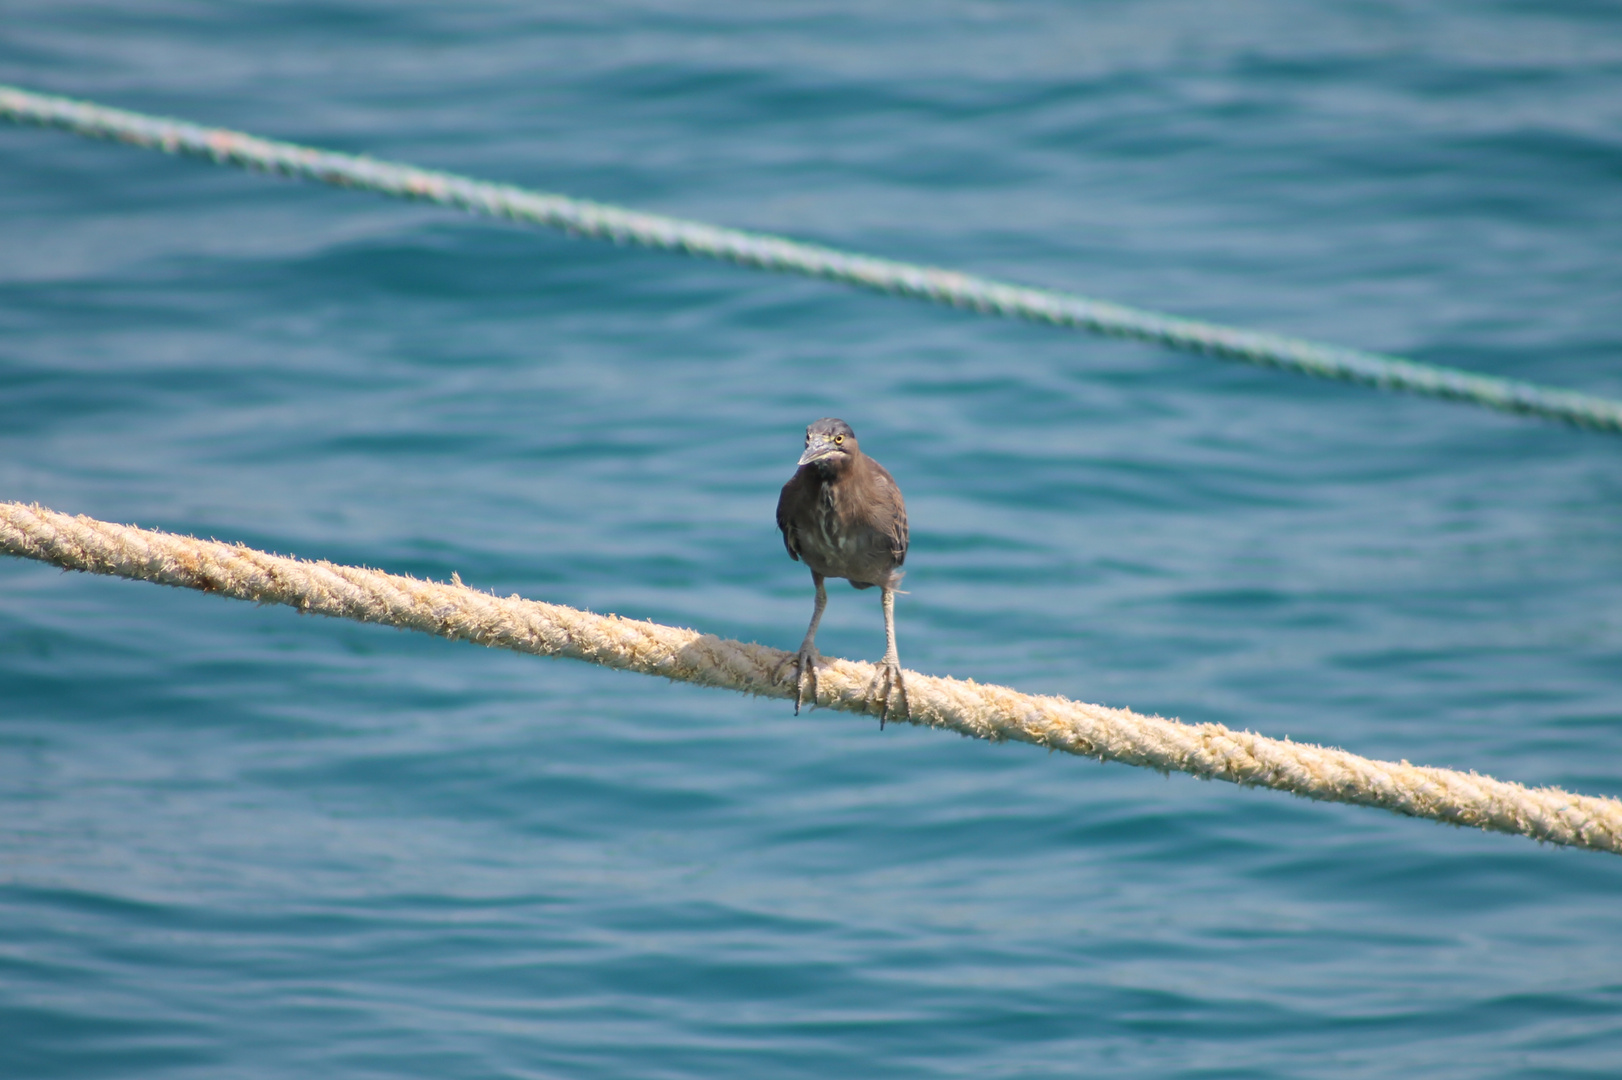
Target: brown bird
[(843, 514)]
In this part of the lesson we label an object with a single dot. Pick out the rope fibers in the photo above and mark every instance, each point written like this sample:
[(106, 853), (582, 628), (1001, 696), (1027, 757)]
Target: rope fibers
[(1209, 751), (776, 253)]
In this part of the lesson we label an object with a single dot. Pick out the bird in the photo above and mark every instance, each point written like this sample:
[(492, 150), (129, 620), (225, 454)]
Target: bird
[(842, 514)]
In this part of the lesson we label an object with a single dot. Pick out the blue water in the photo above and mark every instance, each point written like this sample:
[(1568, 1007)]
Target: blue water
[(237, 842)]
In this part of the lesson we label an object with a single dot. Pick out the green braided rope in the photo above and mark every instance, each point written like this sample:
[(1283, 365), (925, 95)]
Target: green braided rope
[(777, 253)]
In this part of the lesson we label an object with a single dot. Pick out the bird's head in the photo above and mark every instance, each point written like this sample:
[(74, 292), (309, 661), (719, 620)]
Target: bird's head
[(830, 444)]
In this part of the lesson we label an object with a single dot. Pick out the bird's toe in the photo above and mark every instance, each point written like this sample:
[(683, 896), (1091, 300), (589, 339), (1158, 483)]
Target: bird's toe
[(891, 685), (805, 674)]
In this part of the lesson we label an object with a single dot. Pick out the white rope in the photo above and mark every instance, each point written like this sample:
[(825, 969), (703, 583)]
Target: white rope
[(776, 253), (1210, 751)]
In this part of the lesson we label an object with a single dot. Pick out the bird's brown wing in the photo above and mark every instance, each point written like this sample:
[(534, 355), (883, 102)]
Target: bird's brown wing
[(898, 537), (892, 517), (789, 504)]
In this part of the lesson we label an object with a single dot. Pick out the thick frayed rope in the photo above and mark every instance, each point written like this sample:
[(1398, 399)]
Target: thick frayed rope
[(776, 253), (1210, 751)]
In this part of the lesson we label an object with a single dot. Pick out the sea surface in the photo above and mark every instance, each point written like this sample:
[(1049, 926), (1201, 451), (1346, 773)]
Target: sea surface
[(237, 842)]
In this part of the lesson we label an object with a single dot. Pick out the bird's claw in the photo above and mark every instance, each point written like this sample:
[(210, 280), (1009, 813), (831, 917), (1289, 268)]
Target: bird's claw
[(805, 671), (889, 674)]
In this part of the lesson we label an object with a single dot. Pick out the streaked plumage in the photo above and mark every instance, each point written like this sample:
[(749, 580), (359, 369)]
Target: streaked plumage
[(842, 514)]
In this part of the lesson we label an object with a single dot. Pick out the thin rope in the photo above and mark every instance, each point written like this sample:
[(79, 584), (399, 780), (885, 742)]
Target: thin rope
[(1209, 751), (776, 253)]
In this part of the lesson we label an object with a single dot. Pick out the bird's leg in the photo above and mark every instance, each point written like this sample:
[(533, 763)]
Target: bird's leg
[(890, 666), (805, 663)]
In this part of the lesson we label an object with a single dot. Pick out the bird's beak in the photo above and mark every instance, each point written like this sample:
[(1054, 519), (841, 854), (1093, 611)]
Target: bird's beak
[(817, 450)]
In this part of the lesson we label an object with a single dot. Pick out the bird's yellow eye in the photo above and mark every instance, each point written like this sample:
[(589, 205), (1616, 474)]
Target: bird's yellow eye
[(838, 439)]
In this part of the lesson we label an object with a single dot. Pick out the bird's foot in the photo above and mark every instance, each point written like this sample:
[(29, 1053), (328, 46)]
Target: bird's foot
[(805, 672), (888, 681)]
